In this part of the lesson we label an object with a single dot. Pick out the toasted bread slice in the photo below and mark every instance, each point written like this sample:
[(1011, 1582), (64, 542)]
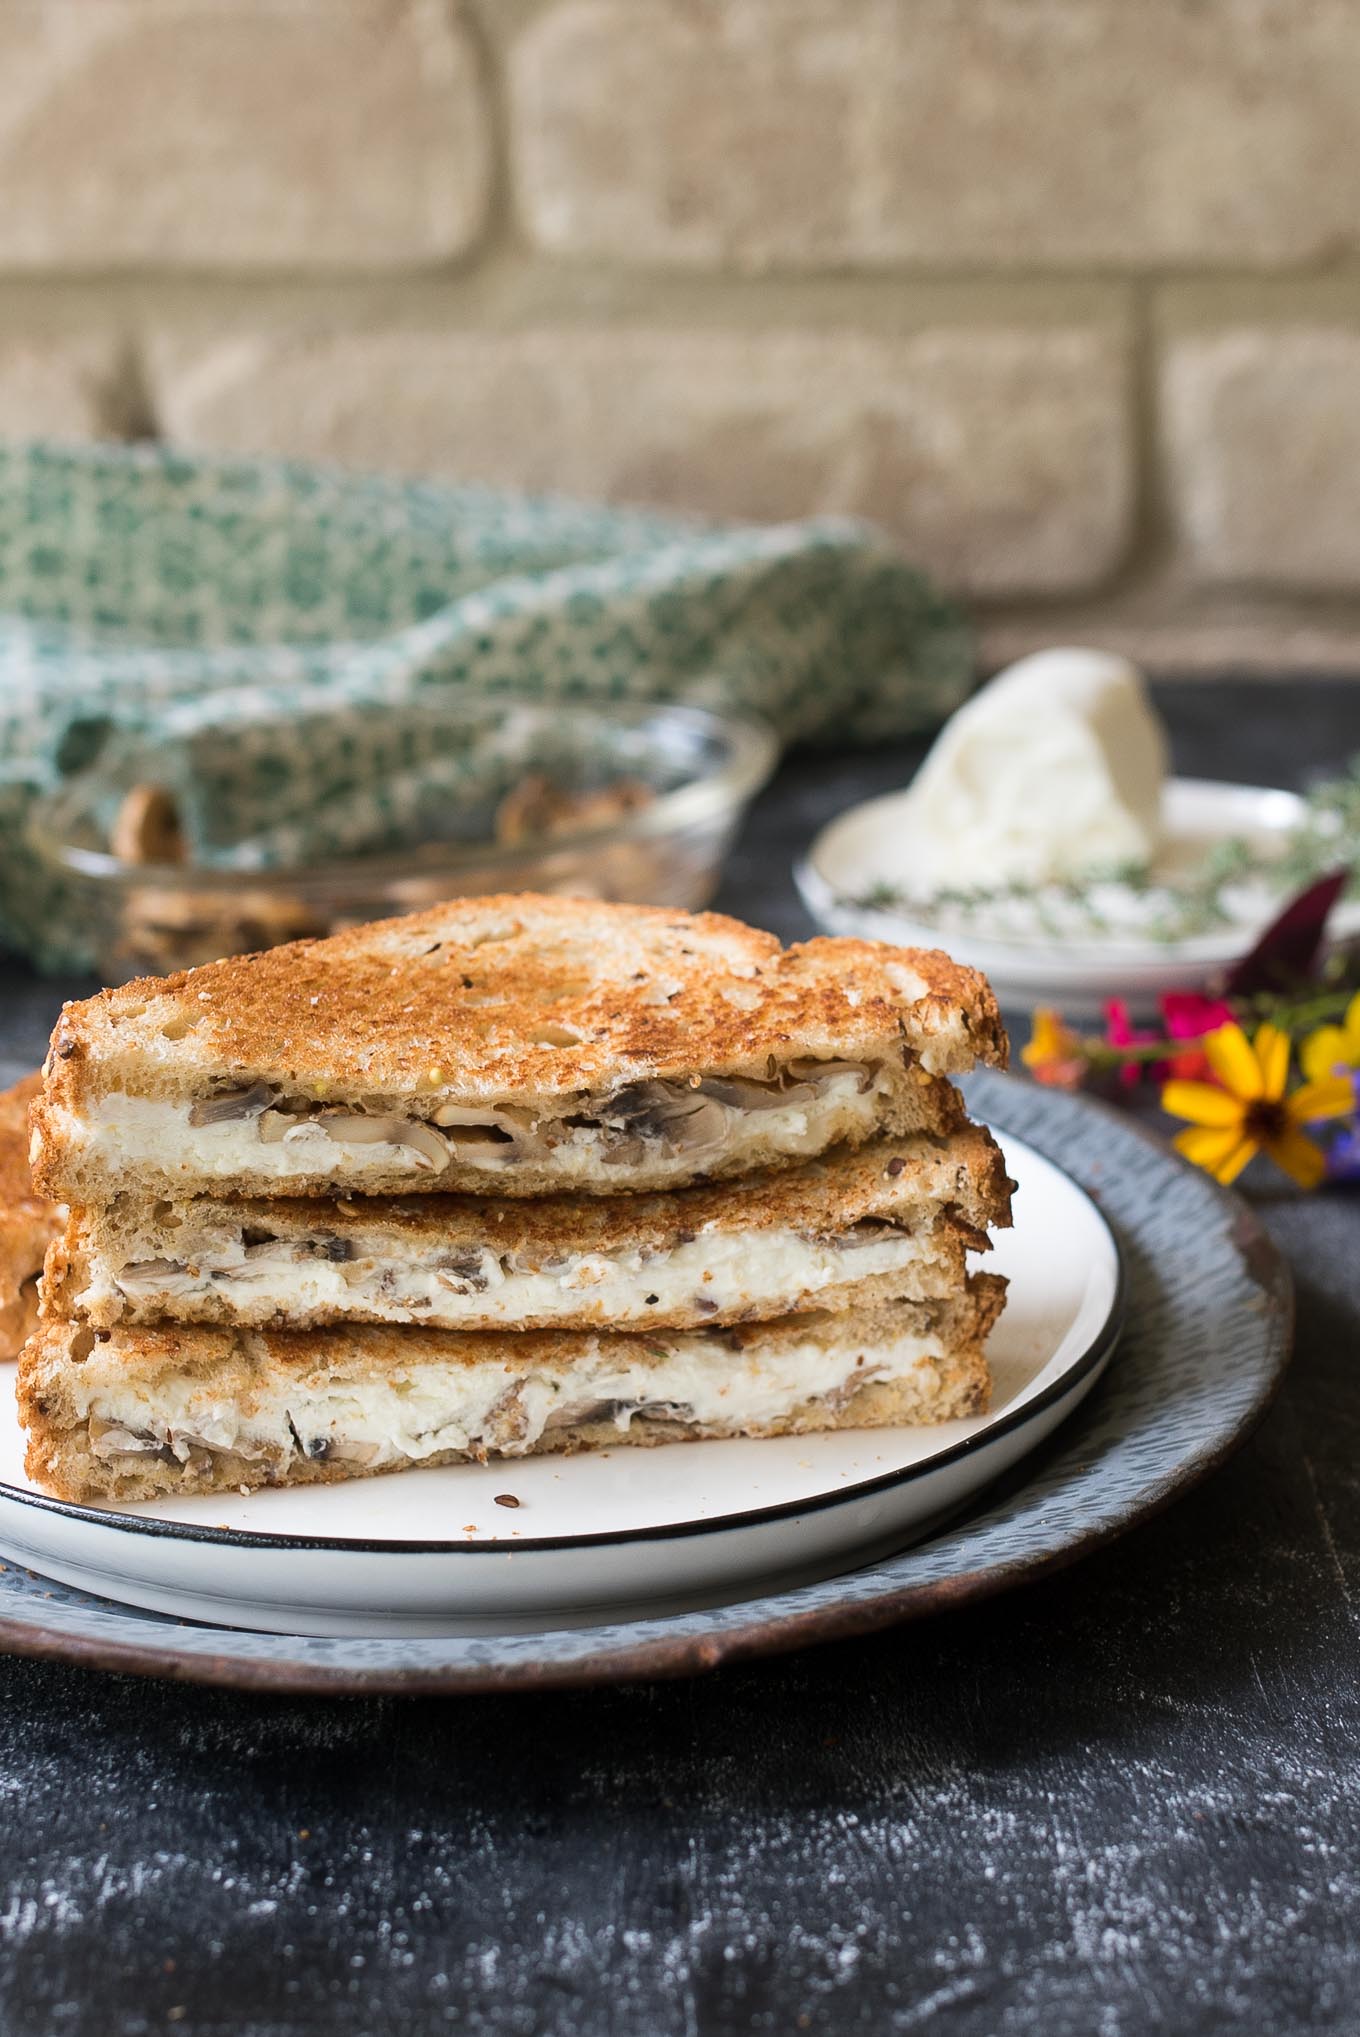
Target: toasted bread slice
[(893, 1217), (128, 1414), (522, 1046), (28, 1223)]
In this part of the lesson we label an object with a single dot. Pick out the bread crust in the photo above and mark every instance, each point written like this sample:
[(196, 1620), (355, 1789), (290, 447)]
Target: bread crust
[(522, 1000)]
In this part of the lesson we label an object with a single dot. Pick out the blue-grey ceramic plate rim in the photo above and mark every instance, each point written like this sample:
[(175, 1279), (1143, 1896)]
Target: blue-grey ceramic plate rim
[(1210, 1310)]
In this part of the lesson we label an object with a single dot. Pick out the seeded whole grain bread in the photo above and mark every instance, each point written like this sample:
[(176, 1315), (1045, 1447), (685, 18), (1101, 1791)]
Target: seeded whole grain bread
[(68, 1371), (199, 1259), (537, 1003), (28, 1222)]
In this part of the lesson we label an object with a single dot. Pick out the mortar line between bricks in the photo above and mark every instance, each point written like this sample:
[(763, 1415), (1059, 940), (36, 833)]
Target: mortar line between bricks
[(599, 289), (491, 55), (1150, 548)]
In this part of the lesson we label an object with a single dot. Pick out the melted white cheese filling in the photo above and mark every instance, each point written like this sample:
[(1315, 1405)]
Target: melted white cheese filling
[(121, 1131), (395, 1280), (418, 1412)]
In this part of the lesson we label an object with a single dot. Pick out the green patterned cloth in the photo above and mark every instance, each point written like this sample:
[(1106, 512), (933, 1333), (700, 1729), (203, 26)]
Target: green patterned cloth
[(266, 639)]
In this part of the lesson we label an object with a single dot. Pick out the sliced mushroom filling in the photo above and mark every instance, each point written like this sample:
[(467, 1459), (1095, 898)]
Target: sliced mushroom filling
[(692, 1120), (652, 1134), (367, 1420), (247, 1272)]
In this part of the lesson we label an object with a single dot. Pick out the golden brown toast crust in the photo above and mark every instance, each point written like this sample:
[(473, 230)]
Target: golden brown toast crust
[(520, 997)]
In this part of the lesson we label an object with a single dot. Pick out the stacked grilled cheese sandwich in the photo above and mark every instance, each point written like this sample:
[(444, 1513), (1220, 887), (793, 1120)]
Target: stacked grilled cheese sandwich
[(511, 1175)]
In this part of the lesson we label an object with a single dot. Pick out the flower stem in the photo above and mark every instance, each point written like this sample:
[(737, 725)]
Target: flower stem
[(1290, 1015)]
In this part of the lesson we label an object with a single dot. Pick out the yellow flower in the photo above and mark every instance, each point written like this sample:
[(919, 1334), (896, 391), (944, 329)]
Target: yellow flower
[(1250, 1113), (1054, 1054), (1333, 1047)]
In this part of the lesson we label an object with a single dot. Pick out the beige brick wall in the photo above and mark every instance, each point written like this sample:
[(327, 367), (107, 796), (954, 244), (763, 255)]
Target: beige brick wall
[(1000, 455), (1065, 293)]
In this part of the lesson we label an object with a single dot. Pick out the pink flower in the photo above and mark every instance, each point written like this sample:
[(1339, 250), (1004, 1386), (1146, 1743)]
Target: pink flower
[(1121, 1032), (1189, 1015)]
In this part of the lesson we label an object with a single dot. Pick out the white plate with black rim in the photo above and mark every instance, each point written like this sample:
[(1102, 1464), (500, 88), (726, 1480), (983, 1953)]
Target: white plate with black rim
[(1090, 950), (545, 1542)]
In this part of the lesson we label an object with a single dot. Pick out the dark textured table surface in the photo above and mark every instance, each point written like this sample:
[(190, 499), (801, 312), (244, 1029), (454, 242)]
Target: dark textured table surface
[(1124, 1800)]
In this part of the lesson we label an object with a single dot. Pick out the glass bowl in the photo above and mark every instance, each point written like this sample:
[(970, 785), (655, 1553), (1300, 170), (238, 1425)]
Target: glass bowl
[(628, 803)]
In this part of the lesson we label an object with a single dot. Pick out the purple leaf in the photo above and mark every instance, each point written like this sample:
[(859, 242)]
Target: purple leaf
[(1291, 946)]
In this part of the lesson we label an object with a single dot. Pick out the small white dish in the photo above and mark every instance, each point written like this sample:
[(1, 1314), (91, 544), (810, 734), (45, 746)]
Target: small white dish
[(871, 845), (622, 1533)]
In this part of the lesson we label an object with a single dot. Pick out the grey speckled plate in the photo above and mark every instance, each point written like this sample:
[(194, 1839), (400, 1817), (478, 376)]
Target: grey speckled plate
[(1208, 1332)]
